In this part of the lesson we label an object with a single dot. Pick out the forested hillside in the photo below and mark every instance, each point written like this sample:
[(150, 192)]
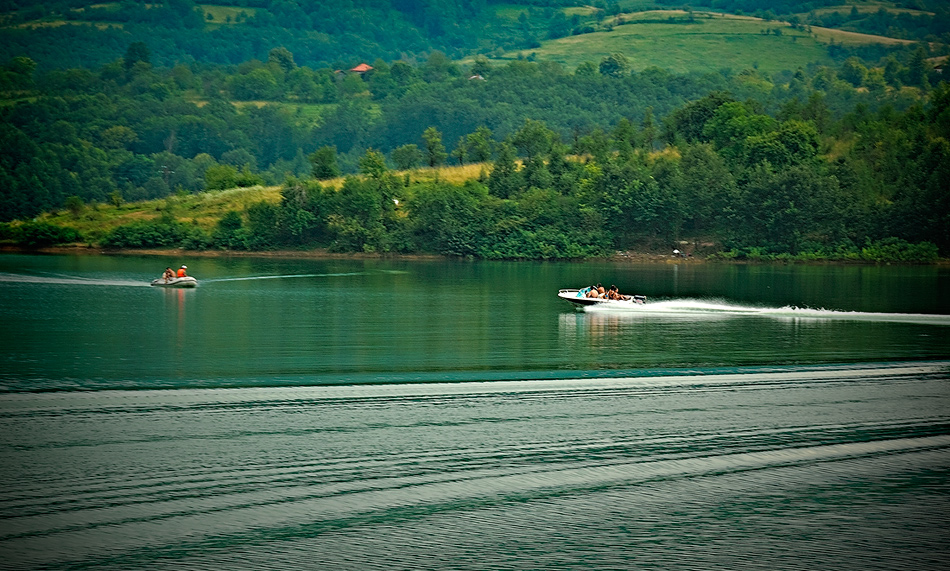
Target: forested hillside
[(842, 158)]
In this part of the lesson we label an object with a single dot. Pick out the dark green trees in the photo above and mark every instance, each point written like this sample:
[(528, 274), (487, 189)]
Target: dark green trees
[(324, 163)]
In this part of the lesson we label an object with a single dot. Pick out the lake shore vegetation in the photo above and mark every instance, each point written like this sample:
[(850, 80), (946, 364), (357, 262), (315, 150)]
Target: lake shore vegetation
[(842, 157)]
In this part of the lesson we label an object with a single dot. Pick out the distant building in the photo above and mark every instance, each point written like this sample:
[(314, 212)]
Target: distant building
[(361, 69), (477, 77)]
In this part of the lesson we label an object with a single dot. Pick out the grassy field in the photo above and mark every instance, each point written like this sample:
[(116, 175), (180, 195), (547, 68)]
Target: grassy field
[(711, 42), (220, 14), (205, 209), (869, 7)]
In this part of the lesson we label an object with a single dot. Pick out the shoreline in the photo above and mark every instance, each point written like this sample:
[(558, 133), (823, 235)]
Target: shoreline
[(323, 254), (314, 254)]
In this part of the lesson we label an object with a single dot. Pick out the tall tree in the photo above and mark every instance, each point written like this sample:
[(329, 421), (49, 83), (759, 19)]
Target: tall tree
[(479, 144), (136, 52), (435, 150), (324, 164)]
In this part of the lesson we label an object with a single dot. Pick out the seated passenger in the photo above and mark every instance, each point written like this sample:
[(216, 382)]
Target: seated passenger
[(614, 293), (169, 274)]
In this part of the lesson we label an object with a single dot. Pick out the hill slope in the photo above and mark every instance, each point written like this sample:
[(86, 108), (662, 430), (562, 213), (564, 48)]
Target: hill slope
[(681, 42)]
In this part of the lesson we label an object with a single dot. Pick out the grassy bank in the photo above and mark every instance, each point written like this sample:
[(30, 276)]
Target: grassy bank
[(673, 40)]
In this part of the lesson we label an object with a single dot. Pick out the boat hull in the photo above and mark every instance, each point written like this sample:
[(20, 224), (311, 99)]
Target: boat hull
[(571, 295), (186, 281)]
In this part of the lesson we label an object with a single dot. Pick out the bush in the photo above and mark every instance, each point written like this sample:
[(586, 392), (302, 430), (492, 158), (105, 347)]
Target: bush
[(879, 251), (145, 235), (898, 250), (37, 234)]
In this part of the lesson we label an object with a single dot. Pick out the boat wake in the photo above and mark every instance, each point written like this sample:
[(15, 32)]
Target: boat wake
[(711, 309), (68, 280), (284, 276)]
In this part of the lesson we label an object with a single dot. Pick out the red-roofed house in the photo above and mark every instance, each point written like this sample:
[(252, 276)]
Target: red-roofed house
[(362, 68)]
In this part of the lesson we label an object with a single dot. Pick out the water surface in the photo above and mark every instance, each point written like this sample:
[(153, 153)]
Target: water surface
[(452, 415)]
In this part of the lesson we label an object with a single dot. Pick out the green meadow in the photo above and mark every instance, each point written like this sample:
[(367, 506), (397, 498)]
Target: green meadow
[(710, 42), (226, 14)]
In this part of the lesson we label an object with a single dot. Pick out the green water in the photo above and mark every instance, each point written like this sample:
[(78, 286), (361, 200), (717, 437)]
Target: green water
[(363, 415), (93, 322)]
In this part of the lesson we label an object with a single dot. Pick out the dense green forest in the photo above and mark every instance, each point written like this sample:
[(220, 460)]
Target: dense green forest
[(82, 33), (847, 161)]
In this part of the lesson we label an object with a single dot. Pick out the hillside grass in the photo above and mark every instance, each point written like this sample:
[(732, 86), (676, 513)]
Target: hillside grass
[(221, 14), (711, 42), (205, 209), (867, 8)]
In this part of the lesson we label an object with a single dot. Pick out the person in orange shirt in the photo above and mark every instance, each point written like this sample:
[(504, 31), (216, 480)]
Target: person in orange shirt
[(181, 271)]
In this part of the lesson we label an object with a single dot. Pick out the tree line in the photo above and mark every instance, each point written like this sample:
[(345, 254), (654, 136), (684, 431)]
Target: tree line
[(820, 161), (735, 182)]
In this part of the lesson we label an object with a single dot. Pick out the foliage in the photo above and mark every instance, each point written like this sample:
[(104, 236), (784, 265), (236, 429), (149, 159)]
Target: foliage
[(146, 235), (38, 234), (434, 149), (324, 163), (802, 163), (406, 156)]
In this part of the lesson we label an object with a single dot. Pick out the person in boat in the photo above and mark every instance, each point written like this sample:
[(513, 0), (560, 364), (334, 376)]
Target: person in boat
[(614, 294), (181, 271), (584, 291), (169, 274), (593, 292), (601, 292)]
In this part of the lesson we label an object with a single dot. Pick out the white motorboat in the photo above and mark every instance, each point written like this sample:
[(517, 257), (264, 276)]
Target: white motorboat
[(186, 281), (578, 297)]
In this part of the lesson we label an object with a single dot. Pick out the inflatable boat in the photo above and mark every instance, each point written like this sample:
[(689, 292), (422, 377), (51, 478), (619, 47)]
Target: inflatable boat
[(186, 281)]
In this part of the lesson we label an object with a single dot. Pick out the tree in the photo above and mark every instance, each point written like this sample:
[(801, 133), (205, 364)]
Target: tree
[(373, 164), (136, 52), (853, 71), (406, 156), (439, 67), (917, 69), (324, 165), (460, 151), (533, 138), (625, 137), (504, 179), (481, 66), (479, 144), (435, 150), (118, 137), (689, 120), (708, 190), (283, 58), (221, 177), (892, 72), (614, 65), (648, 130), (74, 205)]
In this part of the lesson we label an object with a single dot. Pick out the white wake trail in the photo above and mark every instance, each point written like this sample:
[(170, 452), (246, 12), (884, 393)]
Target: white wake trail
[(700, 308)]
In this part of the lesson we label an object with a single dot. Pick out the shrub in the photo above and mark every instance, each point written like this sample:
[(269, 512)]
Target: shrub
[(145, 235), (37, 234)]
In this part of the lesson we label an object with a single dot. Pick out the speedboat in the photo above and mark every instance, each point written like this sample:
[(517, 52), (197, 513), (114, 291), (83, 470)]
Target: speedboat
[(578, 298), (186, 281)]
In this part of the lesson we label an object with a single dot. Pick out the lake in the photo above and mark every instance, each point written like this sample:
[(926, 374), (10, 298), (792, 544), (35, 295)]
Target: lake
[(390, 414)]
